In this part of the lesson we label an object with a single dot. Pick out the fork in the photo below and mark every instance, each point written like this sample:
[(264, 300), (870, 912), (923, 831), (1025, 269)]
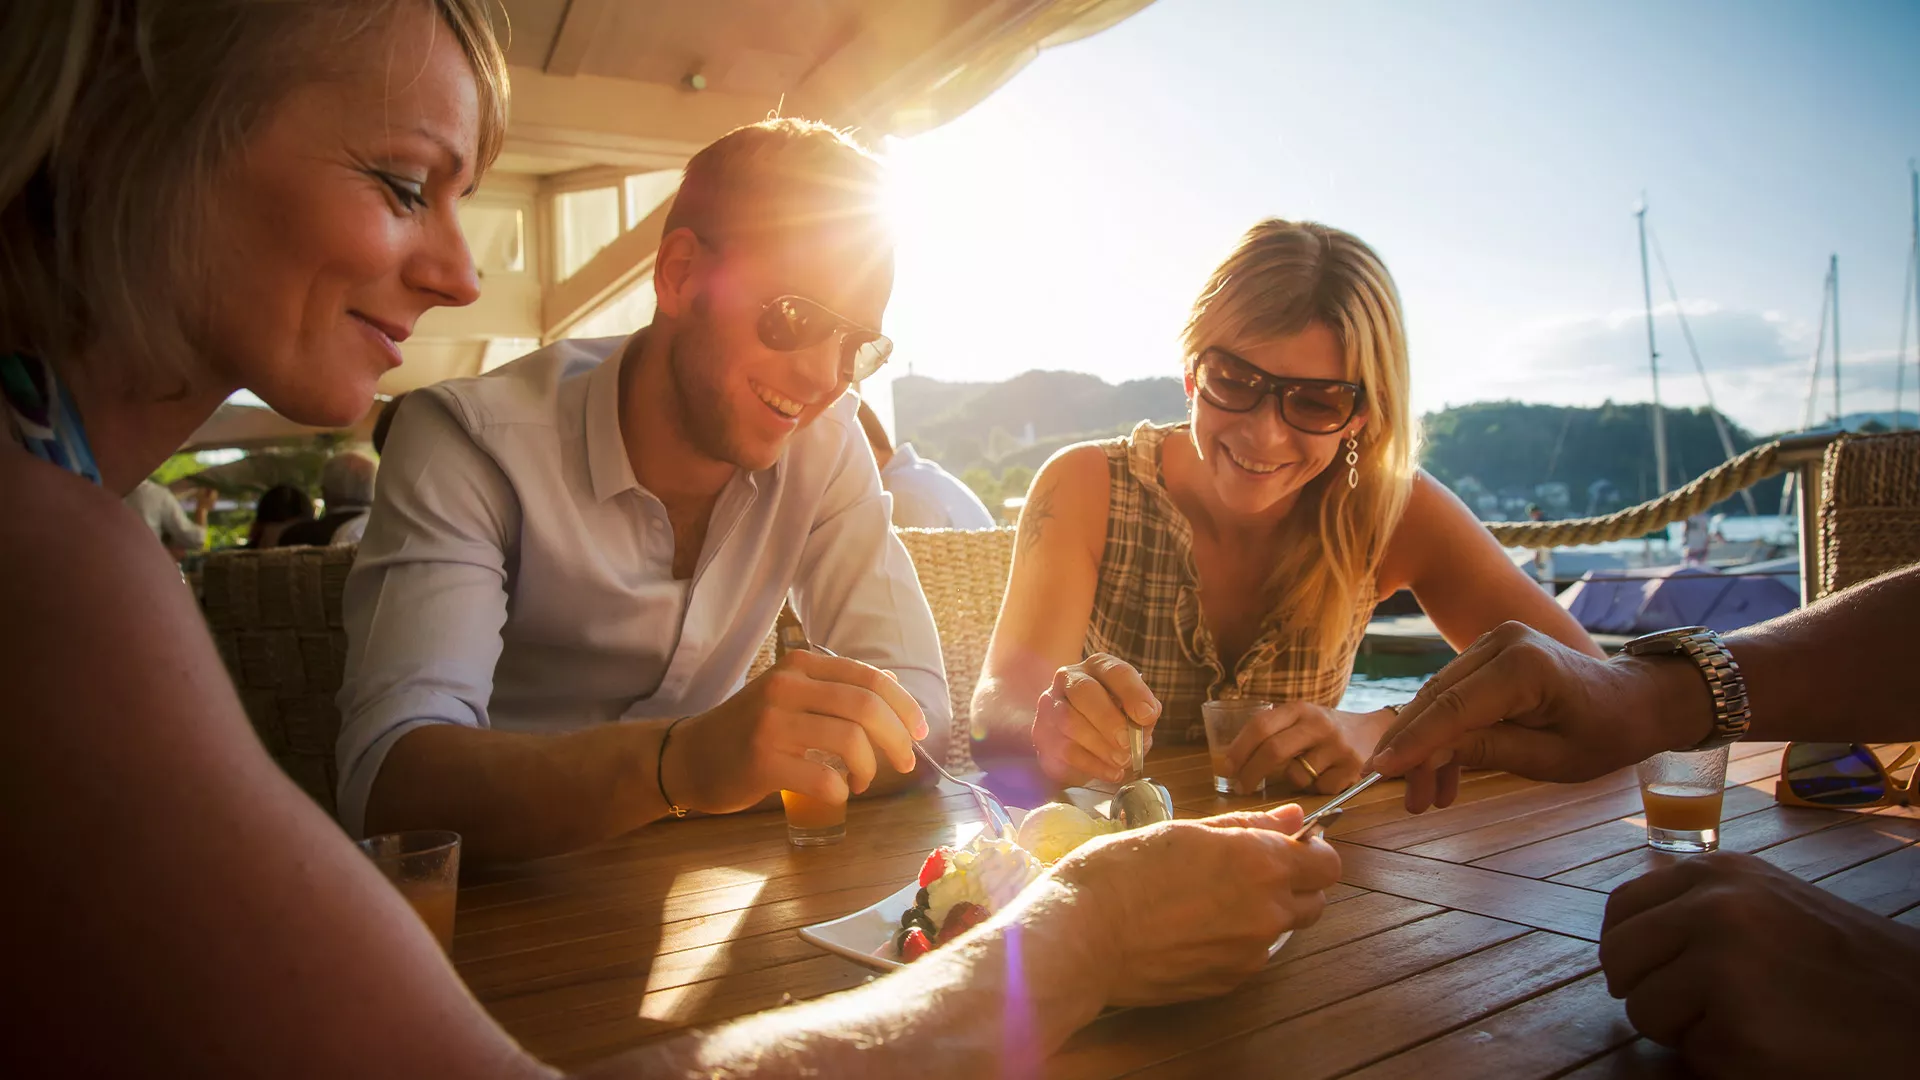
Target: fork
[(990, 805)]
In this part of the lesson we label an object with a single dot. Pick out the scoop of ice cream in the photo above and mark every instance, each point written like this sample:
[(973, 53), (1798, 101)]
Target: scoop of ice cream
[(985, 872), (1051, 831)]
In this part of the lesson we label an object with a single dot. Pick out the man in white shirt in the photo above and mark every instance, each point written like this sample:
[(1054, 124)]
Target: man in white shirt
[(163, 514), (572, 561), (925, 496)]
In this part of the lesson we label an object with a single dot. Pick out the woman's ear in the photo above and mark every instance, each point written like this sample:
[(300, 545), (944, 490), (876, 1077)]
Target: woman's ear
[(1189, 385), (1358, 424), (673, 277)]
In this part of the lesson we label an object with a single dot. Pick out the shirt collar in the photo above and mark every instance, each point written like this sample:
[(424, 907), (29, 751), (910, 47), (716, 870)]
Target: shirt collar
[(607, 462), (903, 458)]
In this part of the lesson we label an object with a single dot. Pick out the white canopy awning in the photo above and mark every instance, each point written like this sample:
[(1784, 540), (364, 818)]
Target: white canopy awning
[(607, 92)]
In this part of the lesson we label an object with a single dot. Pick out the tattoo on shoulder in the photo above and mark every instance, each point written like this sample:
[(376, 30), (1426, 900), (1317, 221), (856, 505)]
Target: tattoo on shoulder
[(1034, 518)]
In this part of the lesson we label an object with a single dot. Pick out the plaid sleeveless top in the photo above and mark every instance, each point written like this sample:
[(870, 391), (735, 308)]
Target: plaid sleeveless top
[(1146, 607)]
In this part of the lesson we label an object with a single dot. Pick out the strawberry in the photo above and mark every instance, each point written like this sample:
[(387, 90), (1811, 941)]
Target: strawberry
[(914, 945), (963, 917), (935, 866)]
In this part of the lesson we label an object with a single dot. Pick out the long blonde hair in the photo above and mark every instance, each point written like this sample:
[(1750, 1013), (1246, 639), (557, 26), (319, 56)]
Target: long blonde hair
[(115, 116), (1282, 277)]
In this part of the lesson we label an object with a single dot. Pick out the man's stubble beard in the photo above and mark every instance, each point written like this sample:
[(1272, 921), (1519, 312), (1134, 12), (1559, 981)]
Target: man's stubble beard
[(699, 398)]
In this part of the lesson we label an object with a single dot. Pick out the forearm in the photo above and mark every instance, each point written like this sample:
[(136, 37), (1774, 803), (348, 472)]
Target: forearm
[(997, 1002), (1003, 709), (517, 796), (1832, 671)]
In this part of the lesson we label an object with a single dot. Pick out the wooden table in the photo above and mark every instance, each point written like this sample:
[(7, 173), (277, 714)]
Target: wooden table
[(1461, 942)]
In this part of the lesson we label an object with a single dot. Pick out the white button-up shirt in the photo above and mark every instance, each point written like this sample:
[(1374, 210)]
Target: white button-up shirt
[(515, 575), (926, 496)]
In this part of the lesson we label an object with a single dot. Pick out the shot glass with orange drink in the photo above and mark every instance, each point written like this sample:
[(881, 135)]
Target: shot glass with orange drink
[(815, 822), (1682, 792), (425, 867)]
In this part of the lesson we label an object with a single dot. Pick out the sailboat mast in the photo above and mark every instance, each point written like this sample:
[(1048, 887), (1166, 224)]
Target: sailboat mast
[(1913, 299), (1833, 275), (1653, 356)]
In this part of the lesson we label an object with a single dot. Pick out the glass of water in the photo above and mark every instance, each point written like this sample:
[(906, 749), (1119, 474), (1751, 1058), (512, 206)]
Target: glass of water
[(1224, 720)]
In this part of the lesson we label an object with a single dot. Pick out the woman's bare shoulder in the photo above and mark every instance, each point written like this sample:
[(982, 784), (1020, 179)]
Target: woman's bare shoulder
[(1068, 494), (61, 532), (89, 590)]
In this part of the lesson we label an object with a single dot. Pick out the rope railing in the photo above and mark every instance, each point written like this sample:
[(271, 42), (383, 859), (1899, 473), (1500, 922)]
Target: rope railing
[(1680, 504)]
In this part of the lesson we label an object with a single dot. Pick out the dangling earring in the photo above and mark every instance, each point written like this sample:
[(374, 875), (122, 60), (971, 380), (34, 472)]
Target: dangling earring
[(1353, 461)]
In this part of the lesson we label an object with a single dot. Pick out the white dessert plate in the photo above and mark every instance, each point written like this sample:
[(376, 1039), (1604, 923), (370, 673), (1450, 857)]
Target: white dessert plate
[(866, 936)]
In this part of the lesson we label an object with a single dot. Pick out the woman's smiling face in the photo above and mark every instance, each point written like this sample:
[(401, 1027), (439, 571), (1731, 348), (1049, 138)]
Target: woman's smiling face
[(335, 227), (1256, 460)]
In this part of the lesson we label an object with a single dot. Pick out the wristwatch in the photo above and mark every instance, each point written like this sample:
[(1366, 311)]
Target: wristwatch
[(1731, 714)]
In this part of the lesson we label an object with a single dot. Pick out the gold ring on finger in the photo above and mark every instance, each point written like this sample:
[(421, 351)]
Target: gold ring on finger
[(1311, 771)]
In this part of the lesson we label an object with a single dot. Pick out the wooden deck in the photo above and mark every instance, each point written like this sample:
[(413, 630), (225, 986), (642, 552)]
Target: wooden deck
[(1460, 944)]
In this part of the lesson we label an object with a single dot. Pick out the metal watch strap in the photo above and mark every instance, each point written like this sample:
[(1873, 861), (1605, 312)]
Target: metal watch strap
[(1725, 684)]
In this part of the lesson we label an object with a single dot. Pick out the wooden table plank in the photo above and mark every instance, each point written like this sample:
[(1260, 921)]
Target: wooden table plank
[(1540, 904), (1538, 1037), (1640, 1059), (1751, 761), (1888, 884), (1845, 845), (1764, 827), (1756, 833), (1139, 1037), (1351, 1033)]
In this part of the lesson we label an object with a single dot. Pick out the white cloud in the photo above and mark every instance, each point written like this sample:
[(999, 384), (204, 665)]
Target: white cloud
[(1758, 363)]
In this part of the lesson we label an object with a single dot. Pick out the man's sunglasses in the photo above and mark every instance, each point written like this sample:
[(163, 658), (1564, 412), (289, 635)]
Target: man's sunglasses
[(1843, 776), (1315, 406), (792, 323)]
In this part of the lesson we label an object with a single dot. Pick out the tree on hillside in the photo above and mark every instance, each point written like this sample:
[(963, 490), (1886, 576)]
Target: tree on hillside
[(1510, 449)]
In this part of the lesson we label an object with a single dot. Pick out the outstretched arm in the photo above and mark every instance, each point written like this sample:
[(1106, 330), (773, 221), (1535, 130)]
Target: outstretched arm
[(1521, 702), (1463, 578)]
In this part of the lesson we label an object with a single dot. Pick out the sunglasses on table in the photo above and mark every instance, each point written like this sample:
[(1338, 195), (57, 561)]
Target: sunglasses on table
[(1843, 776), (1314, 406)]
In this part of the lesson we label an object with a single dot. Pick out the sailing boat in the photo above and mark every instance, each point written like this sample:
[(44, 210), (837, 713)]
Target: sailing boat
[(1662, 590)]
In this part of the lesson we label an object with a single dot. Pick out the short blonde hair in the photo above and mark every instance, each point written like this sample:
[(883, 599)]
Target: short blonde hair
[(777, 175), (1282, 277), (115, 116)]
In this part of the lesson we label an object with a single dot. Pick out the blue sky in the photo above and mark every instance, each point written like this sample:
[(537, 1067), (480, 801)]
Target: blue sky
[(1491, 151)]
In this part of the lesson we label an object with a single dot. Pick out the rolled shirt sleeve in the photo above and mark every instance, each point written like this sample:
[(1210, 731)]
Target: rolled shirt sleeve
[(427, 596), (856, 591)]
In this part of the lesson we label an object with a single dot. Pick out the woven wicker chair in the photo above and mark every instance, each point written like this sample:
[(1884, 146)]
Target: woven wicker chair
[(964, 574), (1870, 512), (275, 616)]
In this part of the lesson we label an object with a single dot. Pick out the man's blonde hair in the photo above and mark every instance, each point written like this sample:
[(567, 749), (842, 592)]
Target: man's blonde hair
[(1281, 278), (778, 175), (115, 117)]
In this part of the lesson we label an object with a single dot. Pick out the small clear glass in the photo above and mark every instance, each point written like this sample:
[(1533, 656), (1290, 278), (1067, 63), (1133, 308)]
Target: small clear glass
[(815, 822), (1682, 793), (1224, 719), (425, 867)]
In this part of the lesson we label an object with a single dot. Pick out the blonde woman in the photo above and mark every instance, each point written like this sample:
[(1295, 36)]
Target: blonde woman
[(203, 195), (1241, 553)]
